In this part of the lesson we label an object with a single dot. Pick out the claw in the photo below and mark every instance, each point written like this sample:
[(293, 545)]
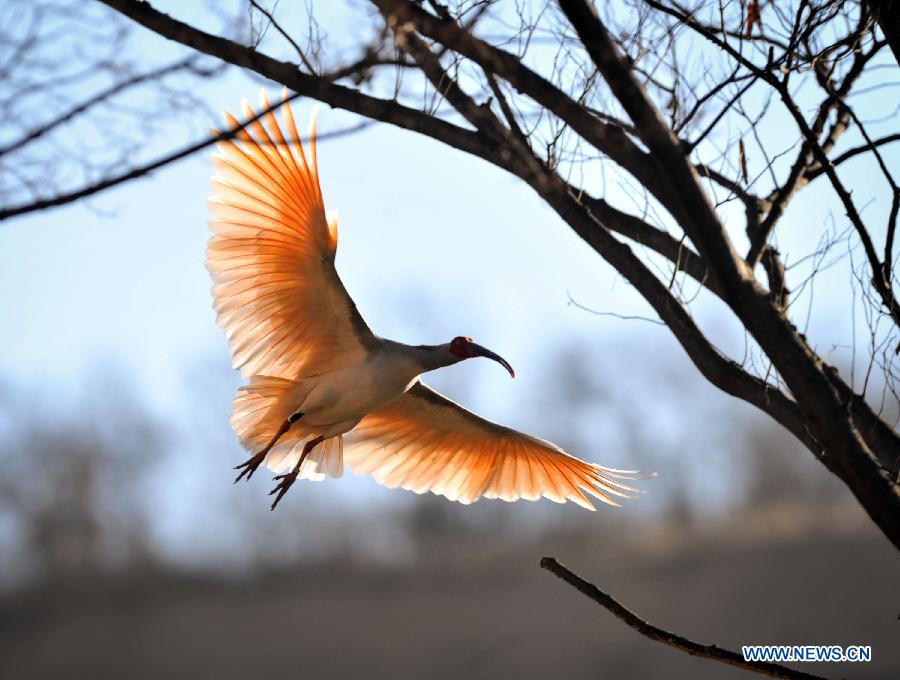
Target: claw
[(287, 480), (248, 467)]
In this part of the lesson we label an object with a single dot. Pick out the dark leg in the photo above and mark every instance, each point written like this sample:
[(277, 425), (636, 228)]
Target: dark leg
[(248, 467), (289, 478)]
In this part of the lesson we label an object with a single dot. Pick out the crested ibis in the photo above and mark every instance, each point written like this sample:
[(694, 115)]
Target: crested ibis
[(323, 389)]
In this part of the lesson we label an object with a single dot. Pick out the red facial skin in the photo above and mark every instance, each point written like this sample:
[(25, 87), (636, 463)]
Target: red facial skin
[(465, 348), (461, 346)]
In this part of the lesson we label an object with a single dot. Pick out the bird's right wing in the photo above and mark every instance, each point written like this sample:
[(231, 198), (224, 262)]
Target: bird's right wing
[(277, 293), (422, 441)]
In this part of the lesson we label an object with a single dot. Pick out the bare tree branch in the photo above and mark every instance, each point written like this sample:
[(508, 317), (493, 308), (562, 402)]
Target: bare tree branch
[(819, 154), (817, 170), (657, 634), (888, 14), (142, 170), (287, 74), (99, 98), (287, 36), (606, 137), (803, 372)]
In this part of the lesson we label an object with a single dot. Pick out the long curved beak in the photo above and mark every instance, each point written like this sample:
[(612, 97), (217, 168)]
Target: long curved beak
[(485, 352)]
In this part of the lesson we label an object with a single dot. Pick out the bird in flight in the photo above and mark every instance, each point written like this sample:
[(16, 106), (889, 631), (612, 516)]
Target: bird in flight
[(324, 390)]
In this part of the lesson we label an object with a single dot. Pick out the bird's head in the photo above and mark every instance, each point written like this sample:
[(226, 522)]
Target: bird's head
[(465, 348)]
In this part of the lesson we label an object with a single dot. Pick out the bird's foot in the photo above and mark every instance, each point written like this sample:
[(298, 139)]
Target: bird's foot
[(287, 480), (249, 466)]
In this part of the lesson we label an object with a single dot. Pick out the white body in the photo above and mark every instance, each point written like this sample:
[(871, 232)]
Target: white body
[(333, 403)]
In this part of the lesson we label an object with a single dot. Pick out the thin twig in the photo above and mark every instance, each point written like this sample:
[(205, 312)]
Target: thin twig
[(100, 97), (287, 36)]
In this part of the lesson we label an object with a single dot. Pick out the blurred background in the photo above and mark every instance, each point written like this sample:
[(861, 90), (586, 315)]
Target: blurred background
[(125, 550)]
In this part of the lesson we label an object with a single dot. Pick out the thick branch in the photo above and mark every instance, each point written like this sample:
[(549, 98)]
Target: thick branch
[(849, 455), (606, 137), (288, 74), (696, 214), (444, 84), (721, 371), (661, 242), (888, 14), (648, 630)]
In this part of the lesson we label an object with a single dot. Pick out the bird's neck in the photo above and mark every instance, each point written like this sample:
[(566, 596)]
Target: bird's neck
[(424, 358)]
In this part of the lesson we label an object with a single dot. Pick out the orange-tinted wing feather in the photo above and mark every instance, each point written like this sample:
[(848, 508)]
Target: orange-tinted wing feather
[(422, 441), (277, 293)]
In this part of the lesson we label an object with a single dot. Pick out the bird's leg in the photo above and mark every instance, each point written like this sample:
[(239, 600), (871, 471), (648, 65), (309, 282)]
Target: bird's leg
[(289, 478), (249, 466)]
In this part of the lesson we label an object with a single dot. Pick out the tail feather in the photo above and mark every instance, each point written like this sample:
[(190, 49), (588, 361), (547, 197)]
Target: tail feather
[(259, 409)]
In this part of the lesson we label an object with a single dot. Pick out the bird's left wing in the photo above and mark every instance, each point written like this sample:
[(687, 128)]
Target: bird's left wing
[(422, 441), (271, 257)]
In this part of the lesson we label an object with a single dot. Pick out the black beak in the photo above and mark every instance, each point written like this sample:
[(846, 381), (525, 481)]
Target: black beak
[(485, 352)]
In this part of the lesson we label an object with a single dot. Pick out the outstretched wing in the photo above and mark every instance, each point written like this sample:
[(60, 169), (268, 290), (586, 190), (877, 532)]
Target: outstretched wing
[(277, 294), (422, 441)]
